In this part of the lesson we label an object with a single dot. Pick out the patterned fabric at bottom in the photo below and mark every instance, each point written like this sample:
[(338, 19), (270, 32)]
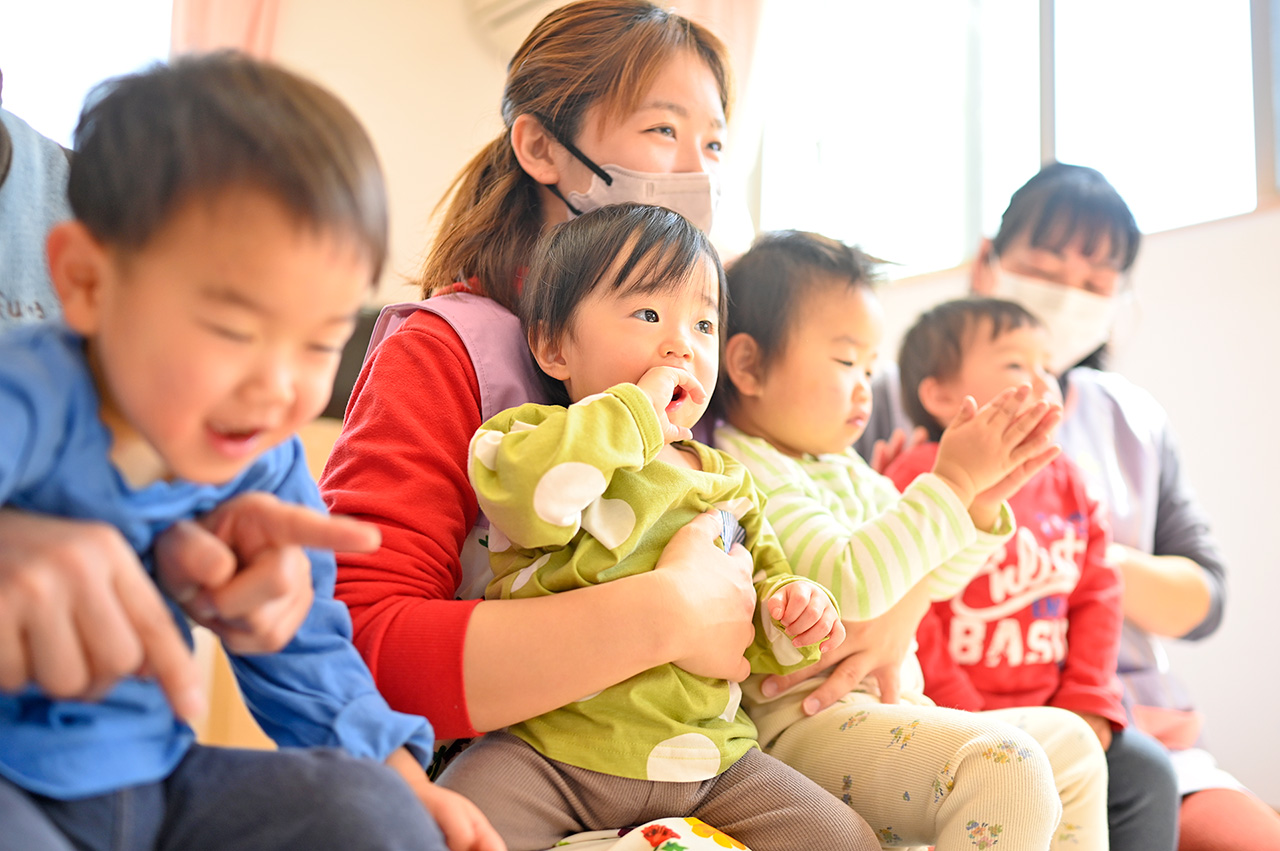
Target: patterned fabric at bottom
[(668, 834)]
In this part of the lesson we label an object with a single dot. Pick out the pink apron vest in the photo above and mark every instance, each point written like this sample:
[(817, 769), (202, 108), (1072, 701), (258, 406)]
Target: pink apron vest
[(507, 377)]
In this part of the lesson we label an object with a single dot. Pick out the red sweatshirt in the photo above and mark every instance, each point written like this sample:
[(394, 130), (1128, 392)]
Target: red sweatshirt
[(401, 463), (1040, 628)]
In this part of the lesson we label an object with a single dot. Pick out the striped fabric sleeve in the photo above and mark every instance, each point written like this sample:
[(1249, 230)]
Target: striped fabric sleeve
[(869, 567), (949, 578)]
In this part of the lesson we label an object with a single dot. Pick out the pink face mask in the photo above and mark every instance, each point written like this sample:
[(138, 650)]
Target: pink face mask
[(693, 194)]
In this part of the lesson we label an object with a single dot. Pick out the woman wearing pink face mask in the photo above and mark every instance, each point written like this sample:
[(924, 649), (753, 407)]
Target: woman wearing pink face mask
[(604, 100), (1063, 248)]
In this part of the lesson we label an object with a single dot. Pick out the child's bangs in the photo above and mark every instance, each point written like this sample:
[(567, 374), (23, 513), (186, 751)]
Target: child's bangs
[(665, 266)]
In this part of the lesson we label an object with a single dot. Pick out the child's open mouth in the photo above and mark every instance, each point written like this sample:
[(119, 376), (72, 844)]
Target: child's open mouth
[(677, 396), (232, 441)]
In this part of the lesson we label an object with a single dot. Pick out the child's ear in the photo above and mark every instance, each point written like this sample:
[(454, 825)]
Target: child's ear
[(940, 399), (78, 264), (549, 355), (535, 149), (742, 364)]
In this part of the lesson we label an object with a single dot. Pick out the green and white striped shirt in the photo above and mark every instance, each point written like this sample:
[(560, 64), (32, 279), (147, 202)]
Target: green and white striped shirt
[(846, 526)]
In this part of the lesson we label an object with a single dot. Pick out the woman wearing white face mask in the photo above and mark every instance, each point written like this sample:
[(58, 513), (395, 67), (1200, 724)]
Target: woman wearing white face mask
[(1064, 246)]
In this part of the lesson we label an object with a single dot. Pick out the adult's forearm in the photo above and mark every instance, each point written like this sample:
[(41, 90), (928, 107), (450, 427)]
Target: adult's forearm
[(526, 657), (1165, 595)]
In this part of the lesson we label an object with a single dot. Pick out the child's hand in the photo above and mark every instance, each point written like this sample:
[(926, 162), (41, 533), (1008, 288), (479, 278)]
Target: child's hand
[(464, 827), (241, 571), (807, 615), (1101, 726), (885, 452), (78, 612), (871, 648), (981, 447), (669, 388), (988, 502)]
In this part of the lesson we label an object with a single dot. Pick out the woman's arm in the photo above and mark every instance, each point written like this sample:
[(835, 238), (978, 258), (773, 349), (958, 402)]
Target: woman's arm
[(1165, 595), (526, 657), (468, 665), (1179, 590)]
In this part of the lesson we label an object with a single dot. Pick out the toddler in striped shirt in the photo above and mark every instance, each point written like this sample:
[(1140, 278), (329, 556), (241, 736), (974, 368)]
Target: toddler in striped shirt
[(802, 336)]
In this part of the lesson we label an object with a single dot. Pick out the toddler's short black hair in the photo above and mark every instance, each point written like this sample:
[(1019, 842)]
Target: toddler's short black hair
[(637, 246), (934, 347), (150, 142), (768, 282)]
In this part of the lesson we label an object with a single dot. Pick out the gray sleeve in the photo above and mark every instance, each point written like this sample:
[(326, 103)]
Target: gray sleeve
[(1182, 529), (886, 410)]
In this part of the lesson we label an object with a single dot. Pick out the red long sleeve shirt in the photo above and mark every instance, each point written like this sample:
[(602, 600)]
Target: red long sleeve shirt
[(1041, 627), (401, 463)]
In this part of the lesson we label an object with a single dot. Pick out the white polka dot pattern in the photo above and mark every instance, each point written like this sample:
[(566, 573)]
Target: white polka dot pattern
[(498, 542), (484, 446), (783, 650), (610, 521), (522, 578), (565, 490), (737, 507), (735, 700), (684, 758)]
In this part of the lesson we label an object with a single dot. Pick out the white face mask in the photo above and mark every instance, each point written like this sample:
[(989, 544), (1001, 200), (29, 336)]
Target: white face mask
[(1077, 320), (693, 195)]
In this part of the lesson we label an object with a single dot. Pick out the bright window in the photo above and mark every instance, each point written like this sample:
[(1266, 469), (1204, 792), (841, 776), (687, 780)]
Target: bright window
[(53, 53), (905, 127), (1158, 96)]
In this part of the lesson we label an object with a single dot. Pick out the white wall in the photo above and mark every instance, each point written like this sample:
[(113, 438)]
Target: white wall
[(1208, 347), (419, 77), (428, 88)]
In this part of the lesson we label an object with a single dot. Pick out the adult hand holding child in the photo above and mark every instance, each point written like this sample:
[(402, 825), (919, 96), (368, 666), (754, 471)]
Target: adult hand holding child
[(78, 612), (723, 639)]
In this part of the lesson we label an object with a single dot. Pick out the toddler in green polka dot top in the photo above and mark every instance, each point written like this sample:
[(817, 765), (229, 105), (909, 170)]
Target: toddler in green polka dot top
[(623, 308)]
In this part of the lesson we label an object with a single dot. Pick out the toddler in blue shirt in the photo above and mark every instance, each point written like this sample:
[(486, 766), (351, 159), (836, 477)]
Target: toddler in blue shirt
[(230, 218)]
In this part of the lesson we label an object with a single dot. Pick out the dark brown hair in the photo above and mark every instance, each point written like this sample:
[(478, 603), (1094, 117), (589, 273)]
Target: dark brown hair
[(769, 281), (584, 54), (1063, 202), (934, 347), (149, 142), (630, 247)]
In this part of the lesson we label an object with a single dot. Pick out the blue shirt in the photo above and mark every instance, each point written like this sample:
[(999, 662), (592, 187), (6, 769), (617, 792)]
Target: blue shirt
[(54, 460)]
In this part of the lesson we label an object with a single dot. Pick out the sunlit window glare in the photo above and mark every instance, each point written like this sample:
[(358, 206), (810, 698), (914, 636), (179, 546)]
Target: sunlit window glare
[(1158, 96), (905, 127), (52, 54)]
